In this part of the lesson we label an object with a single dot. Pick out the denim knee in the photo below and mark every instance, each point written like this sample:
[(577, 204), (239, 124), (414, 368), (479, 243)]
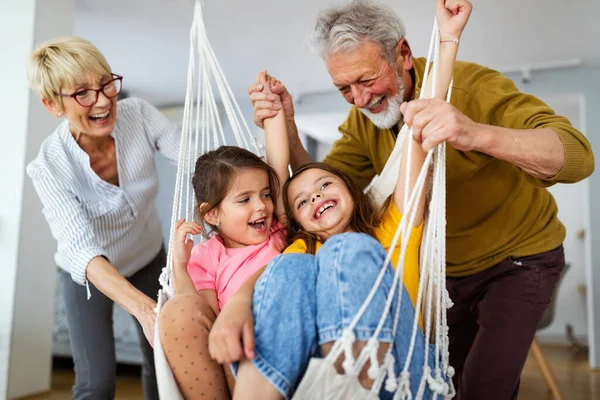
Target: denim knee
[(286, 275), (284, 305), (351, 248), (349, 265)]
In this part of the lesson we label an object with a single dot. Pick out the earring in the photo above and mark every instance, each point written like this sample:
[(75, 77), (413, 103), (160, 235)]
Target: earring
[(59, 115)]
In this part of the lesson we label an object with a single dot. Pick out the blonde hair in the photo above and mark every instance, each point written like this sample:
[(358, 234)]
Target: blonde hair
[(63, 61)]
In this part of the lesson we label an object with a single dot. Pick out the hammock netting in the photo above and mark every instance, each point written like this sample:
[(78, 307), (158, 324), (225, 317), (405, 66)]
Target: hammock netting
[(202, 130)]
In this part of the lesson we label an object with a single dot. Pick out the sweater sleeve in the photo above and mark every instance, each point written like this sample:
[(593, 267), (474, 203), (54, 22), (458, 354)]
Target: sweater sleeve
[(68, 223), (349, 154), (495, 100)]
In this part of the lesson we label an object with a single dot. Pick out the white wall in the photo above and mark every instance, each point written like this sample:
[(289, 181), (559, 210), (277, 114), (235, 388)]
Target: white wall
[(144, 39), (13, 154), (573, 211), (587, 82), (27, 248)]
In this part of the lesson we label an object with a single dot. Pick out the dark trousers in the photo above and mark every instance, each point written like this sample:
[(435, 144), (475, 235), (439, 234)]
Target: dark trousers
[(90, 325), (493, 322)]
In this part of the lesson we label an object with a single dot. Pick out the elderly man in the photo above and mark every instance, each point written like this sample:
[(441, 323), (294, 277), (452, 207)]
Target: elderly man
[(504, 240)]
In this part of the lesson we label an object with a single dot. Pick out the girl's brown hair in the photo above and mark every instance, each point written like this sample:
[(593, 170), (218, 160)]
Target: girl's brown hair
[(216, 170), (365, 218)]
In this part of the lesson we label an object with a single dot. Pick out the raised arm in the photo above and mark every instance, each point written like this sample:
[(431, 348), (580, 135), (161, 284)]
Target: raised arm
[(277, 143), (265, 107), (509, 125), (452, 16), (182, 261), (182, 250)]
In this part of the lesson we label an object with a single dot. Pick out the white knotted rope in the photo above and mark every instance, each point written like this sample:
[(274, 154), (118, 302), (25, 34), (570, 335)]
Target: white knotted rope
[(202, 129), (432, 280)]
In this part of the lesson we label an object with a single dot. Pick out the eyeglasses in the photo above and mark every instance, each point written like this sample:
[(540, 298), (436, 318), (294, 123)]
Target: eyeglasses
[(89, 97)]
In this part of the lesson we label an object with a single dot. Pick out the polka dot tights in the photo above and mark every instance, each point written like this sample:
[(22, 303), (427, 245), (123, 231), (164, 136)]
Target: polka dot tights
[(184, 324)]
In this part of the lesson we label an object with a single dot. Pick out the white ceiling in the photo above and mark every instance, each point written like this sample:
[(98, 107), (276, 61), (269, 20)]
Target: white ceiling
[(147, 40)]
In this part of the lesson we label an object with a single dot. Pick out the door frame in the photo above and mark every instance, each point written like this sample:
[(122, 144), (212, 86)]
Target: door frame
[(579, 99)]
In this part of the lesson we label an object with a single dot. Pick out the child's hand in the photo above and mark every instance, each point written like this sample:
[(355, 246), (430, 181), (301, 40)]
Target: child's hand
[(264, 107), (267, 82), (452, 17), (231, 337), (182, 249)]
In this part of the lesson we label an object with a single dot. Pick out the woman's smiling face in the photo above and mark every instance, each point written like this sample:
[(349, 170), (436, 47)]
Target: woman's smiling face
[(97, 120), (321, 202)]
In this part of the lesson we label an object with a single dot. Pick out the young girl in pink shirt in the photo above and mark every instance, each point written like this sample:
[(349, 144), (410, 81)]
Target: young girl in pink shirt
[(237, 195), (240, 214)]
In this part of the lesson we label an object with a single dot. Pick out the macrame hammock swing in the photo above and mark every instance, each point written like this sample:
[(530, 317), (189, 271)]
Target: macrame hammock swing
[(202, 131)]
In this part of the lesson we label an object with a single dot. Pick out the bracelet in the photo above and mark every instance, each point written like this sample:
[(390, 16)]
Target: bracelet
[(455, 41)]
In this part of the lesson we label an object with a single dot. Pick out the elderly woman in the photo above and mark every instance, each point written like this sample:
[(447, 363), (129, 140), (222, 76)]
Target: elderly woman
[(96, 178)]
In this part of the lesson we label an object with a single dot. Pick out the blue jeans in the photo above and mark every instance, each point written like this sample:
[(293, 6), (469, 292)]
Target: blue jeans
[(302, 301)]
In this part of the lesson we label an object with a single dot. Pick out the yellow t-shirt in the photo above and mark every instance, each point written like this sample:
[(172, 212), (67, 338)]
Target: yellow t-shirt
[(384, 234)]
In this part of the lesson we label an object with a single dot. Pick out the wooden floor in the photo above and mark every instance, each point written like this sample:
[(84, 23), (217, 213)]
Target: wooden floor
[(575, 378)]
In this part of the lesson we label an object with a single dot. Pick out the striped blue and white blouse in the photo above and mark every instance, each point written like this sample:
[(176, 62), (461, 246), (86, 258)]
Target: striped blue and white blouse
[(90, 217)]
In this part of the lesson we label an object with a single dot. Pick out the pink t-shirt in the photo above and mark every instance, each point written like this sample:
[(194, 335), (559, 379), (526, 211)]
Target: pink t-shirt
[(213, 266)]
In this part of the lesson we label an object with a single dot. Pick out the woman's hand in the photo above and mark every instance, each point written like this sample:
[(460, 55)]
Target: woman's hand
[(147, 319), (182, 248), (452, 17), (232, 335), (116, 287)]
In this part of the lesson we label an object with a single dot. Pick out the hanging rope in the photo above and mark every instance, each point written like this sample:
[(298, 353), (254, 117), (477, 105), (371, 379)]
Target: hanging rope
[(432, 289), (202, 129)]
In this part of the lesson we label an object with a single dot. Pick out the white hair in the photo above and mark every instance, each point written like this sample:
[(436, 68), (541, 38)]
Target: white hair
[(392, 115), (343, 28)]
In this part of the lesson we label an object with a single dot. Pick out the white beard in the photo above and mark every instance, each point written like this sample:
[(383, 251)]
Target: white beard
[(389, 117)]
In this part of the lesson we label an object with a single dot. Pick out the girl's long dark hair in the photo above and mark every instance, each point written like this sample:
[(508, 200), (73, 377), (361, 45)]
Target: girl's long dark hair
[(365, 218), (216, 170)]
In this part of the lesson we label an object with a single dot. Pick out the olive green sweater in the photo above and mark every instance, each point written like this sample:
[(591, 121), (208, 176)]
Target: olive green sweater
[(494, 209)]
